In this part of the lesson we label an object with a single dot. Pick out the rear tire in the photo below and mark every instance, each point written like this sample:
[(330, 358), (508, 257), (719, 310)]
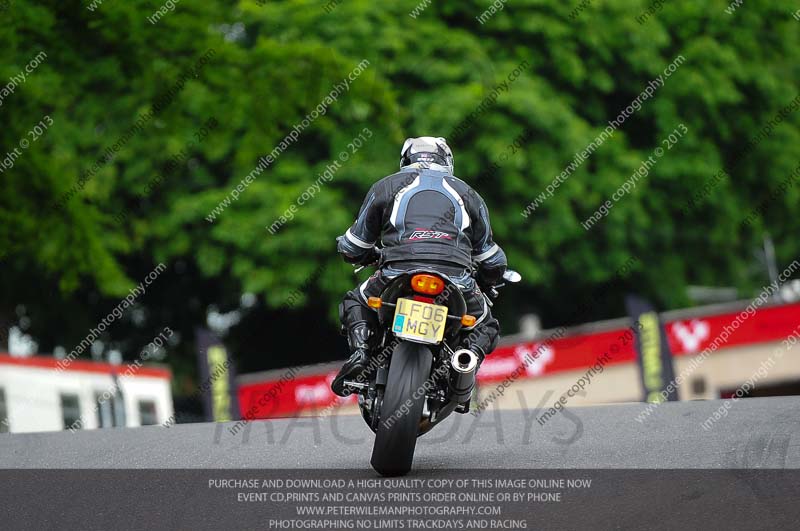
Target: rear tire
[(401, 410)]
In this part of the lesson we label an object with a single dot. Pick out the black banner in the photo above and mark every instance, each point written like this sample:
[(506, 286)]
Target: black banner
[(653, 353), (358, 499), (217, 378)]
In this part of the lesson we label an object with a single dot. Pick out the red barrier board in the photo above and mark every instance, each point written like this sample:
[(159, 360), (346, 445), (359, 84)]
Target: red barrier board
[(272, 399), (561, 354)]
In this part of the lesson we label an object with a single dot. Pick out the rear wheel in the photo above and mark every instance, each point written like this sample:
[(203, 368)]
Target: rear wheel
[(401, 410)]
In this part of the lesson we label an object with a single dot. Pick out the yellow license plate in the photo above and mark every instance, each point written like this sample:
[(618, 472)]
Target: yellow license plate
[(419, 321)]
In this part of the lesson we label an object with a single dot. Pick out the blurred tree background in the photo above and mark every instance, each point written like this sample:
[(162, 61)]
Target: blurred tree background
[(66, 263)]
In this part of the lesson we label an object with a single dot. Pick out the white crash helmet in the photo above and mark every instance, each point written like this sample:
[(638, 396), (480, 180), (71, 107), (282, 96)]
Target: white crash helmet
[(426, 149)]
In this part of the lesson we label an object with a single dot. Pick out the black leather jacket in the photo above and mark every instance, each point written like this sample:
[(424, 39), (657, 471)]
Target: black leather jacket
[(425, 215)]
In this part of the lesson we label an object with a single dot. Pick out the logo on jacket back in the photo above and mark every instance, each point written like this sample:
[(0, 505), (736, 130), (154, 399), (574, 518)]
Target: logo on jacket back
[(422, 234)]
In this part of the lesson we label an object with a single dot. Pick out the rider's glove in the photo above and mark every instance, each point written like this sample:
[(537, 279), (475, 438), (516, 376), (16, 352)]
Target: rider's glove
[(372, 256), (491, 269), (356, 255)]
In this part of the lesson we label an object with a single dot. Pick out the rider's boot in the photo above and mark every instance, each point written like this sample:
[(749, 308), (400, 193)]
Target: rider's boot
[(481, 356), (477, 349), (358, 338)]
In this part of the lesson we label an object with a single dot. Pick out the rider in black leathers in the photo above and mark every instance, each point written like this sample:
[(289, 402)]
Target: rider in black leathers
[(424, 216)]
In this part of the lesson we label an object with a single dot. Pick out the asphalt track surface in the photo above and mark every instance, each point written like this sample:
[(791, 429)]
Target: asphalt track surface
[(756, 433)]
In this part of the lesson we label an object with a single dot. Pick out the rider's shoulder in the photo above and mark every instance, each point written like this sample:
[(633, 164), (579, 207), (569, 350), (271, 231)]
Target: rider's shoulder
[(398, 179), (460, 186), (454, 179), (400, 175)]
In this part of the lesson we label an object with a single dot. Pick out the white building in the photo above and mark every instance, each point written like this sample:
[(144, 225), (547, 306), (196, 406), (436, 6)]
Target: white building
[(35, 395)]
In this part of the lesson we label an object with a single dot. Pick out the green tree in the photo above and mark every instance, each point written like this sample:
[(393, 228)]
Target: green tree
[(442, 73)]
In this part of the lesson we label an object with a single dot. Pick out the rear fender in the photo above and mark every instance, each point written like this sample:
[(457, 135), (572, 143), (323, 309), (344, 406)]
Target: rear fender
[(400, 287)]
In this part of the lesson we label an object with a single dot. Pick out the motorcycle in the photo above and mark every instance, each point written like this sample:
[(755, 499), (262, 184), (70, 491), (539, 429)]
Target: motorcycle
[(415, 378)]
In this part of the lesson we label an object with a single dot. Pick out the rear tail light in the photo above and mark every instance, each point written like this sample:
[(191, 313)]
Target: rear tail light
[(427, 284)]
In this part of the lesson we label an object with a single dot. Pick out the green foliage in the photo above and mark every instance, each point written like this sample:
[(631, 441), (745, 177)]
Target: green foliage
[(273, 64)]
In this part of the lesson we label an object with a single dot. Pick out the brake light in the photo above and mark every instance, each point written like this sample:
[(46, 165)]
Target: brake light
[(427, 284)]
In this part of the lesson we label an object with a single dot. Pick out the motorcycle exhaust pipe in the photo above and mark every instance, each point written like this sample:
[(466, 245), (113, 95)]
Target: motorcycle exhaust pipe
[(464, 364)]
